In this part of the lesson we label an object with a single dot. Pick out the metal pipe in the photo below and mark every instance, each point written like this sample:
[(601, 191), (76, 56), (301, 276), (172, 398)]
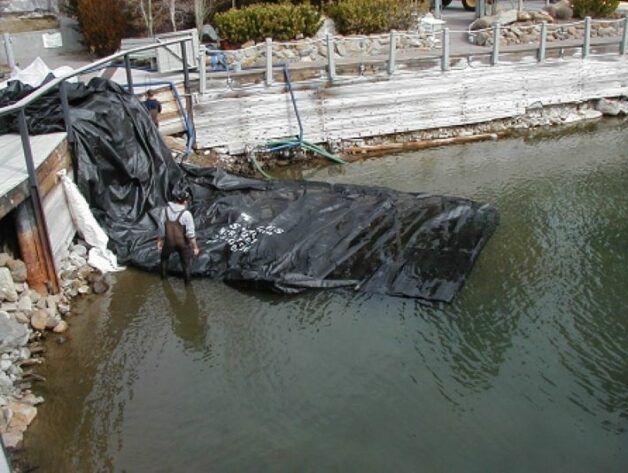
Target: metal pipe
[(331, 61), (586, 46), (186, 81), (42, 229), (63, 92), (496, 37), (8, 49), (624, 38), (42, 90), (438, 8), (543, 42), (444, 64), (129, 77), (392, 52), (269, 61)]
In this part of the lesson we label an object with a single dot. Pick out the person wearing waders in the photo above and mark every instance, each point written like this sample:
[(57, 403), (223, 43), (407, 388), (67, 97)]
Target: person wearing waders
[(178, 234), (153, 106)]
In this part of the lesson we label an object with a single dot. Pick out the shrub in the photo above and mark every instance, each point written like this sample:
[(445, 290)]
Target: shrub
[(282, 22), (103, 23), (370, 16), (594, 8)]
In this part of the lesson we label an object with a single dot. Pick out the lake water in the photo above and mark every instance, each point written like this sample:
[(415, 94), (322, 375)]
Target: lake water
[(527, 371)]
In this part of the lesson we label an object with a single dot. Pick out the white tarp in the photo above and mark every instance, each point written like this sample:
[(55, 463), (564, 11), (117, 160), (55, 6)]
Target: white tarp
[(35, 73), (99, 256)]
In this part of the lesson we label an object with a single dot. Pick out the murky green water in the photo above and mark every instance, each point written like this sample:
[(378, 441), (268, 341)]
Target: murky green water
[(526, 372)]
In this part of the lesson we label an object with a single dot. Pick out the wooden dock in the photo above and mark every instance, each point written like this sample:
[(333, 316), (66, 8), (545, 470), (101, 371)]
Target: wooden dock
[(50, 155)]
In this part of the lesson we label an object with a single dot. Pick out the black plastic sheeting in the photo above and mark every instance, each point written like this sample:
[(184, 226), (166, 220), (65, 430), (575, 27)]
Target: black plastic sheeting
[(280, 235)]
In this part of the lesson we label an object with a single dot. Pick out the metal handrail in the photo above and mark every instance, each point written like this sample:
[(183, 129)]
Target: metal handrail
[(17, 106)]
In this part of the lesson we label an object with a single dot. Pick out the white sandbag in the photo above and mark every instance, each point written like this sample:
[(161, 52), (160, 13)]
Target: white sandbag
[(99, 256)]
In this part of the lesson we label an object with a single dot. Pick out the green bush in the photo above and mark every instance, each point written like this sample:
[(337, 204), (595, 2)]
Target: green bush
[(282, 22), (370, 16), (594, 8)]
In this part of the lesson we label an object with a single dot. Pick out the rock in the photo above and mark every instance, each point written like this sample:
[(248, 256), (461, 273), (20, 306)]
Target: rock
[(21, 317), (23, 415), (79, 250), (20, 287), (84, 289), (506, 17), (523, 16), (25, 304), (52, 322), (100, 286), (608, 107), (9, 306), (64, 309), (563, 10), (18, 270), (61, 327), (41, 303), (39, 319), (4, 259), (7, 288), (480, 24), (12, 440), (5, 364), (12, 334)]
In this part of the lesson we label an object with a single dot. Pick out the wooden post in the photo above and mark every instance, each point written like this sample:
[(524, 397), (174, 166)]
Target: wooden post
[(624, 37), (496, 37), (392, 52), (331, 62), (586, 46), (543, 42), (444, 65), (269, 61)]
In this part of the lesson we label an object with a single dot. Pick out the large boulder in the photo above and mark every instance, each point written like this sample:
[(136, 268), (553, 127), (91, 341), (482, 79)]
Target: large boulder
[(12, 333), (561, 10), (18, 270), (7, 287)]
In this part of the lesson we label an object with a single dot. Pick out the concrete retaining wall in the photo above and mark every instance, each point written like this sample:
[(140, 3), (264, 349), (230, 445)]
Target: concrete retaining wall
[(405, 102), (30, 44)]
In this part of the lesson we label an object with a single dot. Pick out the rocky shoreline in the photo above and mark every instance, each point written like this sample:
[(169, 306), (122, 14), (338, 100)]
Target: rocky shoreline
[(26, 319)]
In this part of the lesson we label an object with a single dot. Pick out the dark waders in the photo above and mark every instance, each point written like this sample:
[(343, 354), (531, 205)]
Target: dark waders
[(176, 241)]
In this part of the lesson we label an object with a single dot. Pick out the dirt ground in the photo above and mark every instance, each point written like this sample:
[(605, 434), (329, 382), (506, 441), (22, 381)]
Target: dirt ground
[(19, 24)]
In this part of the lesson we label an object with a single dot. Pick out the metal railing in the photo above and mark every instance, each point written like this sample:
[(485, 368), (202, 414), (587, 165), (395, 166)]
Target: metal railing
[(328, 62), (19, 109)]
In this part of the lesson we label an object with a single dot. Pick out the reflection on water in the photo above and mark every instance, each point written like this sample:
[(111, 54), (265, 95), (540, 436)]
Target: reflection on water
[(526, 371)]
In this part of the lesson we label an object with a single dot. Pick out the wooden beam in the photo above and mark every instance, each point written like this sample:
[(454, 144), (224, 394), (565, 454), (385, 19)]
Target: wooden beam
[(42, 276)]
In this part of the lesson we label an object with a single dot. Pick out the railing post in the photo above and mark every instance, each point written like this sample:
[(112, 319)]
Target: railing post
[(392, 52), (8, 49), (331, 61), (624, 37), (438, 8), (543, 42), (44, 262), (587, 37), (129, 77), (496, 37), (479, 8), (202, 69), (63, 92), (444, 65), (186, 80), (269, 61)]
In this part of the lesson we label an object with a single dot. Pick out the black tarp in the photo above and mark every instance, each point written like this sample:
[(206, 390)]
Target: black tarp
[(281, 235)]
